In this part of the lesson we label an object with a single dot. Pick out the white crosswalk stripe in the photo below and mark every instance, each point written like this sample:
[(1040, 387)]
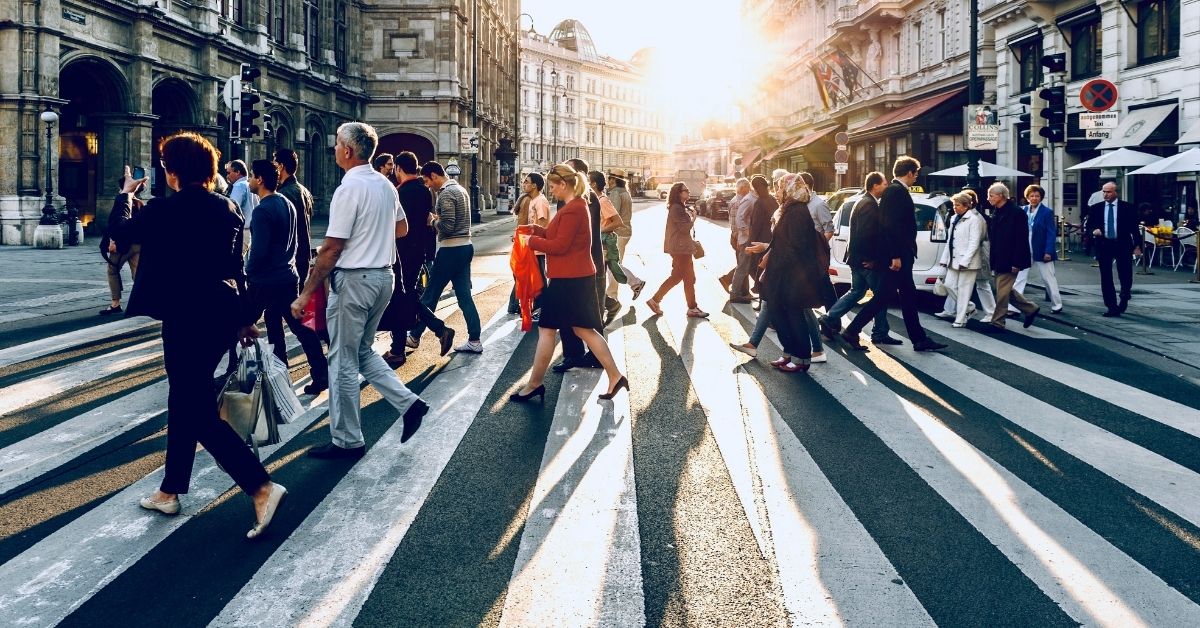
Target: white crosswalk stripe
[(579, 557)]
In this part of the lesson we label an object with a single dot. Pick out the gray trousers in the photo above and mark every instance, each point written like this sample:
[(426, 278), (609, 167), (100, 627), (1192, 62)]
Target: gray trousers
[(741, 274), (357, 299)]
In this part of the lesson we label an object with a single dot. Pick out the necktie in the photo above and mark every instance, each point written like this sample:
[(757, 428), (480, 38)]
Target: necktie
[(1110, 224)]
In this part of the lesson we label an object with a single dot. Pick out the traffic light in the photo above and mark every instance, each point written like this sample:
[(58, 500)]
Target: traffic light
[(247, 99), (1055, 63), (1033, 118), (1054, 113)]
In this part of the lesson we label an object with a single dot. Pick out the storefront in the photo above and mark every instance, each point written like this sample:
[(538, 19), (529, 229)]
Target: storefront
[(929, 128), (1150, 128)]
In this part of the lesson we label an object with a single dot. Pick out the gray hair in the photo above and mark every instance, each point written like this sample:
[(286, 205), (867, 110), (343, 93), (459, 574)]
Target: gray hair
[(965, 199), (740, 182), (778, 174), (360, 137), (999, 189)]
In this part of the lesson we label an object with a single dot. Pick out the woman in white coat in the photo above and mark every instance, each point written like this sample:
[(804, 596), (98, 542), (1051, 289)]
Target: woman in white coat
[(963, 255)]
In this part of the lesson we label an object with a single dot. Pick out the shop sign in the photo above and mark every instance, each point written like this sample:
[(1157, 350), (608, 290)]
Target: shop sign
[(982, 127)]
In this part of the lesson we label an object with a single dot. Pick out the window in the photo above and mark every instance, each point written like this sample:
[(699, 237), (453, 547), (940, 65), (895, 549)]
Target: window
[(1157, 30), (941, 35), (525, 72), (405, 46), (1085, 49), (917, 45), (276, 24), (1029, 63), (339, 33), (895, 55), (232, 10), (312, 29), (570, 82)]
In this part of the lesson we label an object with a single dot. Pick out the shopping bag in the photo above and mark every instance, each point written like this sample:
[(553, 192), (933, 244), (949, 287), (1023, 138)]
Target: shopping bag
[(245, 403), (313, 316), (939, 288), (284, 402)]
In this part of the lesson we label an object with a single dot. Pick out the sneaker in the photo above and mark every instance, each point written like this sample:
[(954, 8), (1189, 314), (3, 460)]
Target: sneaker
[(818, 358), (697, 313), (747, 348), (971, 309), (112, 309), (946, 316), (637, 290), (410, 342), (470, 346)]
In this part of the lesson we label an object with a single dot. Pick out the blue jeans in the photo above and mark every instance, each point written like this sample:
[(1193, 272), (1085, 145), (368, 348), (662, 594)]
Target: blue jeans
[(760, 325), (452, 265), (860, 280)]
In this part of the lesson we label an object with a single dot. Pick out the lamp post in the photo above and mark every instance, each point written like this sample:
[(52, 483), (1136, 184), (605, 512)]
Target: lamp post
[(49, 214), (542, 105), (554, 152), (973, 96), (476, 215)]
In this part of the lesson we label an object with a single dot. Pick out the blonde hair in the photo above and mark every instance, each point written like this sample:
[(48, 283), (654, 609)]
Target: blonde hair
[(568, 175), (966, 199)]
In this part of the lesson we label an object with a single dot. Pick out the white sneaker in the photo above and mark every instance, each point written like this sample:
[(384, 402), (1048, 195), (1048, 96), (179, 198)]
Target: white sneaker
[(971, 309), (946, 316), (410, 342), (987, 317), (471, 346), (818, 359)]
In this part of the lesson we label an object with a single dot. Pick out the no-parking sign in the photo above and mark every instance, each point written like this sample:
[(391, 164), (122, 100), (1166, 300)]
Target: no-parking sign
[(1098, 95)]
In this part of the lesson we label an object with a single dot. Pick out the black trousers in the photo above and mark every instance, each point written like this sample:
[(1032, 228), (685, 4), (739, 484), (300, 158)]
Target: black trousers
[(898, 282), (573, 347), (407, 277), (1108, 251), (191, 352), (792, 327), (275, 300)]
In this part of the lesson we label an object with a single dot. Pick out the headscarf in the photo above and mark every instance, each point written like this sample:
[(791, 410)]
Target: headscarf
[(794, 188)]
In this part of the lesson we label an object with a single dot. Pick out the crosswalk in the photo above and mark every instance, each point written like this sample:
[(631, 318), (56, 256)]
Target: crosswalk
[(1030, 479)]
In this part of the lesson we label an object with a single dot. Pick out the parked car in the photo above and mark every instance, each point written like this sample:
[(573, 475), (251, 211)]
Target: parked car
[(933, 213), (663, 190), (835, 199), (714, 203)]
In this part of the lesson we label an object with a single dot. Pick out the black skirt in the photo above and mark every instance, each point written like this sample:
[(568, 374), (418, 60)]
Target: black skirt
[(570, 303)]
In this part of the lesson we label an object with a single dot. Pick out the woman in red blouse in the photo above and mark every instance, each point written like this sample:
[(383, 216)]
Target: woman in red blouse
[(569, 299)]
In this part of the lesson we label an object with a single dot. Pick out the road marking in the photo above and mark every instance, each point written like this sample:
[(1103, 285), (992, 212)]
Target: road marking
[(579, 561), (1094, 583), (78, 295), (54, 344), (77, 374), (1135, 400), (322, 574), (1170, 484)]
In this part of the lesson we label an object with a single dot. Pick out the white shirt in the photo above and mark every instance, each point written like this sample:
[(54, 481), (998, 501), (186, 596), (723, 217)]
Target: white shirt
[(246, 200), (364, 211)]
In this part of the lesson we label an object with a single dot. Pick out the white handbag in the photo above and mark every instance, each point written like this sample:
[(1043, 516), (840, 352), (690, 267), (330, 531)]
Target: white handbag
[(247, 405), (939, 288)]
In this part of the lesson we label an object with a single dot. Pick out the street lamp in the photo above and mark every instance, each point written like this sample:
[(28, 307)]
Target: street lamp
[(973, 96), (542, 105), (49, 215), (476, 212), (554, 152)]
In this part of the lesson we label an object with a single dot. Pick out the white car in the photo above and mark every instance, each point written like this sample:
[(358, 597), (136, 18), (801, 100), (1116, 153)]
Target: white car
[(933, 213)]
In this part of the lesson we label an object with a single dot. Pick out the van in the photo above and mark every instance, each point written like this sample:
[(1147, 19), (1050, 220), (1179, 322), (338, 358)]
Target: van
[(933, 212)]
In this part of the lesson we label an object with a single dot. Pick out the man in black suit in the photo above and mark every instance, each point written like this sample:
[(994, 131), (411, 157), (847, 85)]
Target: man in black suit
[(896, 245), (1114, 228)]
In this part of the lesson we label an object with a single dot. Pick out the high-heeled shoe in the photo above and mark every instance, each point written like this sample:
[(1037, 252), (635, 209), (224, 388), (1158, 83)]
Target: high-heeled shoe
[(540, 391), (621, 383)]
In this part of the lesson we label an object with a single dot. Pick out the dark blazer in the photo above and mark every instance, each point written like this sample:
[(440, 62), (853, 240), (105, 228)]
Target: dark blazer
[(1043, 236), (421, 241), (191, 261), (760, 219), (1009, 239), (1128, 235), (302, 200), (900, 222), (794, 277), (866, 228)]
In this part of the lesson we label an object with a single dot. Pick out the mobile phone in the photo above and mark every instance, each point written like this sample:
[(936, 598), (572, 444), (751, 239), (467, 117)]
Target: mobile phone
[(139, 172)]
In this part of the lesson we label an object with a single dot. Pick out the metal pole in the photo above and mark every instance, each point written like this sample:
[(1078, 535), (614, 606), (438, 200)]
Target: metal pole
[(476, 215), (602, 146), (49, 215), (973, 95)]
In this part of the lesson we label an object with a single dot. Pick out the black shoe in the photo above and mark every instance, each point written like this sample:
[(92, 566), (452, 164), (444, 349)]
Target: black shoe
[(447, 340), (1123, 305), (590, 361), (886, 340), (110, 310), (329, 451), (1029, 318), (827, 329), (566, 365), (621, 383), (539, 392), (412, 419), (1111, 313), (928, 345), (852, 340), (316, 388)]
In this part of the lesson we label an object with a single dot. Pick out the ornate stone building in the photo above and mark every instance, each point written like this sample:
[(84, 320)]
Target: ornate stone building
[(123, 73)]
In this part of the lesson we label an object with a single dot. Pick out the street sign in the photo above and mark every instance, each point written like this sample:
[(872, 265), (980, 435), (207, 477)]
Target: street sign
[(841, 138), (841, 167), (841, 155), (1098, 95), (452, 169), (228, 93), (468, 141), (982, 125), (1098, 134), (1101, 120)]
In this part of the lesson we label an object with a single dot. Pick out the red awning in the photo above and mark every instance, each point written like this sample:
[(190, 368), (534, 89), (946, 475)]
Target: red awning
[(806, 140), (908, 112), (750, 158)]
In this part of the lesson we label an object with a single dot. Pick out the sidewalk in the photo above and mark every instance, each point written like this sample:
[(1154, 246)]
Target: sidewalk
[(1163, 315)]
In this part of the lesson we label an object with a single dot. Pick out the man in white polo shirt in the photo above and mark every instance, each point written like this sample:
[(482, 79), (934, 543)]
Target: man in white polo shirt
[(365, 218)]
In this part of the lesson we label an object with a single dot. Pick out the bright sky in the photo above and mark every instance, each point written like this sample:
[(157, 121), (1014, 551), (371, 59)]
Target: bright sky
[(698, 44)]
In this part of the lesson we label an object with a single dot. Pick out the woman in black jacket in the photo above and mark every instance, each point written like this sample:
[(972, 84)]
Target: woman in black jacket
[(679, 245), (194, 287)]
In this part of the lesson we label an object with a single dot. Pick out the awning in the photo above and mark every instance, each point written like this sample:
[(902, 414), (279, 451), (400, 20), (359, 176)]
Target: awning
[(1136, 126), (1192, 136), (806, 140), (750, 158), (908, 112)]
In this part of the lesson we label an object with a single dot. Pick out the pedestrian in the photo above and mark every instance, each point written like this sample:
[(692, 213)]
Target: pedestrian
[(1008, 233), (679, 245), (610, 222), (414, 251), (618, 192), (963, 255), (271, 271), (451, 219), (895, 246), (1116, 238), (1189, 218), (365, 218), (287, 162), (568, 299), (983, 279), (741, 209), (385, 164), (117, 256), (823, 222), (1043, 237), (196, 291), (793, 275), (573, 348), (239, 192), (761, 219), (532, 209), (861, 265)]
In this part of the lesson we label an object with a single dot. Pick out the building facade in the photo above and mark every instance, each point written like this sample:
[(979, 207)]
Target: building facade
[(122, 74), (576, 102)]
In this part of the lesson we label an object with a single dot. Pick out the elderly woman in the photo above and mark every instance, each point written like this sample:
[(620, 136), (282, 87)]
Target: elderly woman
[(201, 310), (678, 244), (963, 255), (792, 280)]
